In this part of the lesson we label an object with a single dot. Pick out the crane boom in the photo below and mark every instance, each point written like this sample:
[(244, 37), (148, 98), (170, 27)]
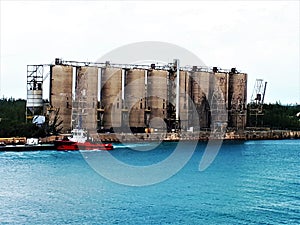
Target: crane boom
[(263, 97)]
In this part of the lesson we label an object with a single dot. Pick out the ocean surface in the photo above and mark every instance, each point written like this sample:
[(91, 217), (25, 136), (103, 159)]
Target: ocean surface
[(252, 182)]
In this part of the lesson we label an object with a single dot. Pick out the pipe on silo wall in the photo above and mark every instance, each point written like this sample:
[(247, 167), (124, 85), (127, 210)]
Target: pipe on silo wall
[(185, 107), (177, 89), (74, 75), (99, 84)]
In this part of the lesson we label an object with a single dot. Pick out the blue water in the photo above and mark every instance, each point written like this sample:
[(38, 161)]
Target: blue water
[(255, 182)]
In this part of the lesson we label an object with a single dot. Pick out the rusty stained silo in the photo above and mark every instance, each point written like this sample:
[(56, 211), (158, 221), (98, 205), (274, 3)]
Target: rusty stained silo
[(219, 100), (185, 107), (61, 93), (201, 92), (221, 83), (157, 97), (86, 98), (237, 97), (134, 97), (111, 97)]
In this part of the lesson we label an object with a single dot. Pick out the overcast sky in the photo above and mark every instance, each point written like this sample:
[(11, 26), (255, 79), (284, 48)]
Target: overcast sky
[(257, 37)]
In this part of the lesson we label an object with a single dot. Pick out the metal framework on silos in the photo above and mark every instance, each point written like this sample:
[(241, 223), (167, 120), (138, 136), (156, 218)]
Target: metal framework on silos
[(173, 69)]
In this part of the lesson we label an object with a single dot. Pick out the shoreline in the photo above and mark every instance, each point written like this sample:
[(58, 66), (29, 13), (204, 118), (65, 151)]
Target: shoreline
[(247, 135), (201, 136)]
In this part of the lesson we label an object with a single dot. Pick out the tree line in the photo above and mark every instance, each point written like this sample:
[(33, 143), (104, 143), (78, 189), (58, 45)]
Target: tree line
[(276, 116), (13, 119)]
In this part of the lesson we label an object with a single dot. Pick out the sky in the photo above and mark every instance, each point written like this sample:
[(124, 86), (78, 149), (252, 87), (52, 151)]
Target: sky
[(260, 38)]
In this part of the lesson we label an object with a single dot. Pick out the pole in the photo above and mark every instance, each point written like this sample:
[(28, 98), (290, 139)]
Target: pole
[(263, 98), (177, 89)]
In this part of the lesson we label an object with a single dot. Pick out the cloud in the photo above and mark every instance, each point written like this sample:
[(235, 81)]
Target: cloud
[(261, 38)]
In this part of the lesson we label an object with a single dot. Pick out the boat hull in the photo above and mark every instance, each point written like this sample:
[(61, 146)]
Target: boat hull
[(75, 146)]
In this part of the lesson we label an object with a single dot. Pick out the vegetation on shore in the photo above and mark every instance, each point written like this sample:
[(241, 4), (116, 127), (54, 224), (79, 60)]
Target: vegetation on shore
[(13, 119), (276, 116)]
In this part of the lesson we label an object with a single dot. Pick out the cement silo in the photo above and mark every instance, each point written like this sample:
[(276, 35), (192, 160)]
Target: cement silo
[(219, 100), (61, 93), (135, 102), (111, 97), (221, 83), (86, 98), (157, 96), (201, 92), (237, 97)]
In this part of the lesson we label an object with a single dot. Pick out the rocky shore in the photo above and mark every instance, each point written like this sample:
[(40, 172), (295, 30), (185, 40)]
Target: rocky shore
[(201, 136)]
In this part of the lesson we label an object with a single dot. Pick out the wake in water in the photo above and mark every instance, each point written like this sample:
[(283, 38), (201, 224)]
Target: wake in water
[(27, 154), (137, 146)]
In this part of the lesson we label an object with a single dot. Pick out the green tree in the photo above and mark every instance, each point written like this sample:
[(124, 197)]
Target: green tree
[(277, 116)]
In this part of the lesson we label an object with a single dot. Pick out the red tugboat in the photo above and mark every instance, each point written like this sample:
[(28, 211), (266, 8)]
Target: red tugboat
[(78, 141)]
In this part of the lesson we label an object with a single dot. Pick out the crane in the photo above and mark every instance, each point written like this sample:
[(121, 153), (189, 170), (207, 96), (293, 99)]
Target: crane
[(257, 99)]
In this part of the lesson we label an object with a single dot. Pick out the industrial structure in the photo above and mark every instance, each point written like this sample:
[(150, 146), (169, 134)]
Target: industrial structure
[(139, 98), (257, 102)]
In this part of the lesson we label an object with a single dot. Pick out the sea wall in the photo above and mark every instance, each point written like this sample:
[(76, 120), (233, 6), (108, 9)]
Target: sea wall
[(202, 136)]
